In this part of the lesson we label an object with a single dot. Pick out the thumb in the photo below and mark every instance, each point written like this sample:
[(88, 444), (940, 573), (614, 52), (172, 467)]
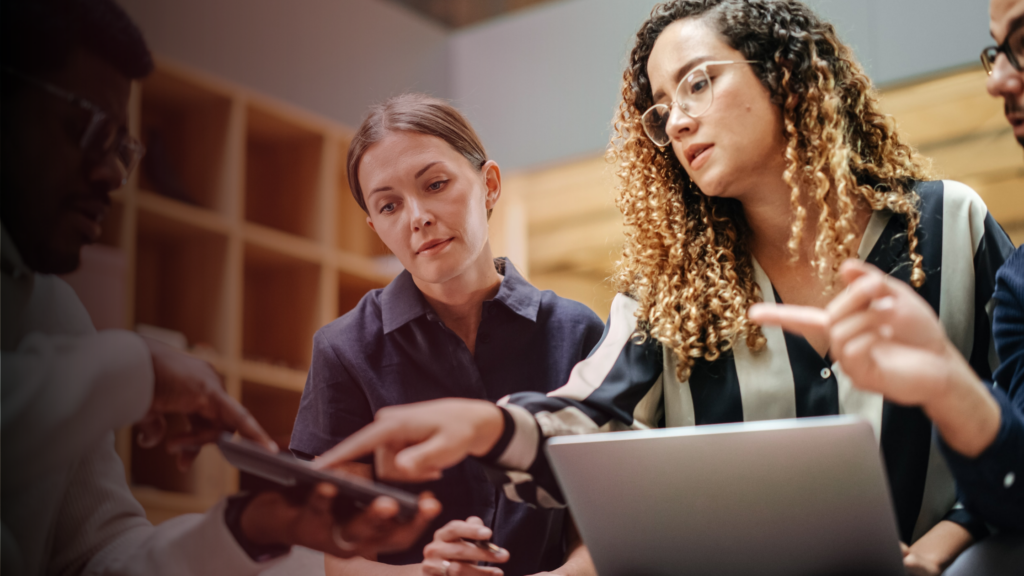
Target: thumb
[(853, 268), (151, 430)]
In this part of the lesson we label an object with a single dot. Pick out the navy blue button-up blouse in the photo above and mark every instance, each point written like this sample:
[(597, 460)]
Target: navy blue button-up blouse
[(393, 349)]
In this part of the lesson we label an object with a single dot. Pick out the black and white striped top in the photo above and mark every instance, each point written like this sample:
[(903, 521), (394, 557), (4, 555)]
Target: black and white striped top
[(626, 385)]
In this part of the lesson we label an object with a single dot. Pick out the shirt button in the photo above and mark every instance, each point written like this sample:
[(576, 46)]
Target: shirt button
[(825, 373), (1009, 479)]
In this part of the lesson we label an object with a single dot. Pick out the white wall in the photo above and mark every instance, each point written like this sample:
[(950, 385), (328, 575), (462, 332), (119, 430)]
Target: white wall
[(333, 57), (540, 85)]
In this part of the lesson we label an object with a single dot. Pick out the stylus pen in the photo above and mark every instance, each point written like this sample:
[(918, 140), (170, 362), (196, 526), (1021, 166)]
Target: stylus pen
[(484, 545)]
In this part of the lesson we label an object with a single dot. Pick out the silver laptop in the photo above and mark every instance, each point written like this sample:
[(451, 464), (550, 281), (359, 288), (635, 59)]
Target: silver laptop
[(789, 497)]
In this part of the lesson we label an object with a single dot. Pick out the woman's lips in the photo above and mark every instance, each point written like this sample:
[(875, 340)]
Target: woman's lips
[(434, 248), (701, 158)]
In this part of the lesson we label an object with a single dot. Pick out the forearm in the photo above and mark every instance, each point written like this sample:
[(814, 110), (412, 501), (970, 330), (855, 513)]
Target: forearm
[(964, 412), (578, 563), (938, 548), (358, 566)]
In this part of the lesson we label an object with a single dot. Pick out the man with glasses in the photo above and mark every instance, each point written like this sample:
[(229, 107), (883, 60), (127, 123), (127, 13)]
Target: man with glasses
[(1003, 62), (67, 68)]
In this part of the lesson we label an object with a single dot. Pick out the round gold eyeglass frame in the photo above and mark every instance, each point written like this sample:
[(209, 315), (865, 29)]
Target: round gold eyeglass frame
[(693, 96)]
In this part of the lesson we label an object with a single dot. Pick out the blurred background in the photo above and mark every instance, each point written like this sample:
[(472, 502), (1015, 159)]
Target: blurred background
[(238, 238)]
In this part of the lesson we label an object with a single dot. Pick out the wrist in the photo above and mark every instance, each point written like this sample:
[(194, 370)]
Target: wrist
[(962, 410), (490, 425), (260, 523), (248, 526)]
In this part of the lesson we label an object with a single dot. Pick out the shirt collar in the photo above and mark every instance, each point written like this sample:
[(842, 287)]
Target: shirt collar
[(402, 302), (516, 293)]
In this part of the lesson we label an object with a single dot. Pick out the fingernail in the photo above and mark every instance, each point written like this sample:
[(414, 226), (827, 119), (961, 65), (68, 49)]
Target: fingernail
[(483, 533), (886, 303)]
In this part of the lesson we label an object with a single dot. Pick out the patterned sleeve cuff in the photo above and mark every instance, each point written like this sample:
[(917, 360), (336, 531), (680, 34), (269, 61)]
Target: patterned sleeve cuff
[(508, 428), (519, 442)]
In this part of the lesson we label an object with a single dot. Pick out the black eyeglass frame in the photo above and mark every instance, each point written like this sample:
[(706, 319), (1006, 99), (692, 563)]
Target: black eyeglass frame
[(98, 116), (990, 53)]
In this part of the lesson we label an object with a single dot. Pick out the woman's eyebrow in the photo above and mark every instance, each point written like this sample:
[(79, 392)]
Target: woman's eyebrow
[(378, 189), (389, 188), (690, 66), (427, 167), (682, 72)]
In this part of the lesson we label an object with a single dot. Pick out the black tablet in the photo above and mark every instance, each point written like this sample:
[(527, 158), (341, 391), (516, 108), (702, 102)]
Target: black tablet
[(283, 469)]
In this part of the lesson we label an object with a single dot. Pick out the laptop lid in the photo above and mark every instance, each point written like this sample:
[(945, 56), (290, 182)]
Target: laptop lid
[(789, 497)]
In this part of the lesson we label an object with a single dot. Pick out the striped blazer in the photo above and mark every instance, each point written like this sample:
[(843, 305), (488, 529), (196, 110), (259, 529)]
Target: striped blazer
[(624, 384)]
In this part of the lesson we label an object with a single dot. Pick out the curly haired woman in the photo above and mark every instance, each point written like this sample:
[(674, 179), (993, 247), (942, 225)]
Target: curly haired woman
[(753, 161)]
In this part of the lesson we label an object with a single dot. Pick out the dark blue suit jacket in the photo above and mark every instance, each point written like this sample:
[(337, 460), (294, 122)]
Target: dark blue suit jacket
[(992, 485)]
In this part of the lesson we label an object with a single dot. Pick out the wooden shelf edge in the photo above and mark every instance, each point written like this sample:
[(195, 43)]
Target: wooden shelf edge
[(282, 242), (362, 267), (215, 359), (277, 376), (185, 213)]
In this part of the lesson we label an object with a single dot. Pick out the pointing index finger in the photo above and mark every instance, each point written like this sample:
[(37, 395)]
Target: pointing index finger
[(803, 320), (363, 442), (238, 418)]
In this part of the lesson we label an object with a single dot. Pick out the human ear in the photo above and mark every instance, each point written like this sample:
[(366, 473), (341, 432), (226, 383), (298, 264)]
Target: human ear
[(370, 223), (492, 182)]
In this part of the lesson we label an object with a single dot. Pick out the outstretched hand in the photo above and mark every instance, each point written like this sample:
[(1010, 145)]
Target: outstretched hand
[(888, 340), (189, 388), (884, 335), (416, 442)]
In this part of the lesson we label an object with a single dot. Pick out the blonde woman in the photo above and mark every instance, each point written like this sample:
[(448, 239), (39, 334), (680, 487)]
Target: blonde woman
[(455, 322), (753, 161)]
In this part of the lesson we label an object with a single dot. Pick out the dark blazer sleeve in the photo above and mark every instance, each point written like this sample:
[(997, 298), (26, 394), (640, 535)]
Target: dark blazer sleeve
[(992, 485)]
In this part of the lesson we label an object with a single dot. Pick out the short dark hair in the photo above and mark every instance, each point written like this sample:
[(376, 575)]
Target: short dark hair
[(413, 113), (39, 35)]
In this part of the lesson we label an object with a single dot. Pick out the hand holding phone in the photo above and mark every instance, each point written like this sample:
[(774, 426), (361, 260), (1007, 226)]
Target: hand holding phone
[(341, 514), (354, 493)]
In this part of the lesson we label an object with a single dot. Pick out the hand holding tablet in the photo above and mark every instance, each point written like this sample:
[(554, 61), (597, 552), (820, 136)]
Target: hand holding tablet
[(343, 514)]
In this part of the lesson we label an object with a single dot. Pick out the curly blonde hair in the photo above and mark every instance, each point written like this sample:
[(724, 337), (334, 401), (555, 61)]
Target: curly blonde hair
[(685, 258)]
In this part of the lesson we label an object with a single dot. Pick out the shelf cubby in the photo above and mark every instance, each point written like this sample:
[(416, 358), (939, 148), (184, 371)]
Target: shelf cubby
[(275, 409), (185, 128), (351, 290), (281, 308), (353, 235), (282, 173), (181, 280)]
